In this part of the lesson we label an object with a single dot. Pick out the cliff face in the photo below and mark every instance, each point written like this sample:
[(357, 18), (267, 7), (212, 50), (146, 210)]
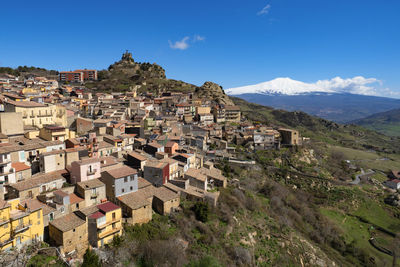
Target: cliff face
[(213, 91)]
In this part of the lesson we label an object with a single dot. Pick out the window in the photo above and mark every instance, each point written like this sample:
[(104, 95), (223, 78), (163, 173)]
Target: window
[(73, 230), (77, 205), (123, 190), (131, 188), (38, 214), (132, 177), (114, 226), (113, 215), (51, 216), (126, 179), (101, 220), (6, 179), (62, 209)]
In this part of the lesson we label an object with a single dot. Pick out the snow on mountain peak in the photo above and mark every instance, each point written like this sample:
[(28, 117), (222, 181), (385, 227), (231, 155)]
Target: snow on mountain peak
[(287, 86)]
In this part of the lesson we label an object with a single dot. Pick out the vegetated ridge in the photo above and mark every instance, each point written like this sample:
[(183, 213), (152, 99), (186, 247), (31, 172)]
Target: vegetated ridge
[(385, 122)]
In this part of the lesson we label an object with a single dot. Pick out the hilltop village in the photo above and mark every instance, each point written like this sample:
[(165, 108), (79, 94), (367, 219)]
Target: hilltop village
[(76, 164)]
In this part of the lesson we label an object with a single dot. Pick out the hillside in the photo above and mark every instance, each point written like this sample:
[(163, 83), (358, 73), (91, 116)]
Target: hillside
[(320, 129), (147, 77), (24, 72), (385, 122), (338, 107)]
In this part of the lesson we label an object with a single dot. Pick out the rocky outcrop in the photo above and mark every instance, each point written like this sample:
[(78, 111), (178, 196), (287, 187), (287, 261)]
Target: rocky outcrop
[(214, 92)]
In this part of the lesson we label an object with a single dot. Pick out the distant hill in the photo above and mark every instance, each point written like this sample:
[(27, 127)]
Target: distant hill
[(338, 107), (385, 122), (25, 72)]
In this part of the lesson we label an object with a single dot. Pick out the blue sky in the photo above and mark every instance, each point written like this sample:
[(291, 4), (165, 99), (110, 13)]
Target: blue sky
[(233, 43)]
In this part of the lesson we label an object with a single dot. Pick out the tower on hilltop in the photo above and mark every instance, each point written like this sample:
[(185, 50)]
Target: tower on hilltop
[(127, 56)]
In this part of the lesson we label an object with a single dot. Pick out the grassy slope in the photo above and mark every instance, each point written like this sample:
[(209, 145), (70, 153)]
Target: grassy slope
[(319, 129), (386, 122)]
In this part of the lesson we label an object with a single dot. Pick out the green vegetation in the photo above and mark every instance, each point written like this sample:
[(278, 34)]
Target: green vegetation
[(90, 259), (44, 260), (320, 130), (201, 211), (385, 122)]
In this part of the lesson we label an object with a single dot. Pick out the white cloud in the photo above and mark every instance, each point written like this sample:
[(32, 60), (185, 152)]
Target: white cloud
[(181, 45), (356, 85), (264, 11), (184, 43), (198, 38)]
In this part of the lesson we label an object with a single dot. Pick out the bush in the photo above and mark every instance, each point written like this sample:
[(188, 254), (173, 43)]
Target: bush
[(201, 211), (207, 261), (91, 259)]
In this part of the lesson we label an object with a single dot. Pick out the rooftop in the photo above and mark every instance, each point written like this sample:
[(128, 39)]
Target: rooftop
[(67, 222), (121, 172)]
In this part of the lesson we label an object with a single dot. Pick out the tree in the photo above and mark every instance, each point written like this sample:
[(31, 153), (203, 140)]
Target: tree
[(201, 211), (91, 259)]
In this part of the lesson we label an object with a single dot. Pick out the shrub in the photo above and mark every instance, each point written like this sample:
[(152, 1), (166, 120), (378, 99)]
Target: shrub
[(201, 211), (207, 261), (91, 259)]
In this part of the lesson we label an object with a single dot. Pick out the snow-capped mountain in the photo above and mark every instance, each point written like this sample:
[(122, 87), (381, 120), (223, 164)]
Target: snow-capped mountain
[(284, 86), (337, 99)]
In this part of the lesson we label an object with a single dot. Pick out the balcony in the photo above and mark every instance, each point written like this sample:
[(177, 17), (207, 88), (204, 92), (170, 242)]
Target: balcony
[(5, 242), (94, 195), (44, 115), (21, 228), (104, 225), (4, 161), (110, 232)]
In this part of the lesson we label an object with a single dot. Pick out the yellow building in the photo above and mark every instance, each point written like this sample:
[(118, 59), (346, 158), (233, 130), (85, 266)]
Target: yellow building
[(20, 224), (203, 110), (54, 133), (104, 222), (37, 114)]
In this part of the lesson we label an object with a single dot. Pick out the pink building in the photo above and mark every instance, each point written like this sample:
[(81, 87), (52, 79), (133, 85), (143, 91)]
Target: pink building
[(85, 169)]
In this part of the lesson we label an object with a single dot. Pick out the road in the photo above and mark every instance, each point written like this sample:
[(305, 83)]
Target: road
[(358, 176)]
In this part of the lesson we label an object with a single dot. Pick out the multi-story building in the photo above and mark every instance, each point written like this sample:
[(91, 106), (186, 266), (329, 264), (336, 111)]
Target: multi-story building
[(232, 114), (104, 223), (37, 114), (219, 114), (7, 172), (88, 75), (156, 172), (55, 132), (93, 191), (70, 232), (120, 181), (85, 169), (71, 76), (19, 225)]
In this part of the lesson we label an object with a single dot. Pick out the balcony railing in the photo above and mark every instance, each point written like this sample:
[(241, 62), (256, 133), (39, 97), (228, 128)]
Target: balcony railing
[(107, 233), (94, 195), (5, 161), (21, 228)]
